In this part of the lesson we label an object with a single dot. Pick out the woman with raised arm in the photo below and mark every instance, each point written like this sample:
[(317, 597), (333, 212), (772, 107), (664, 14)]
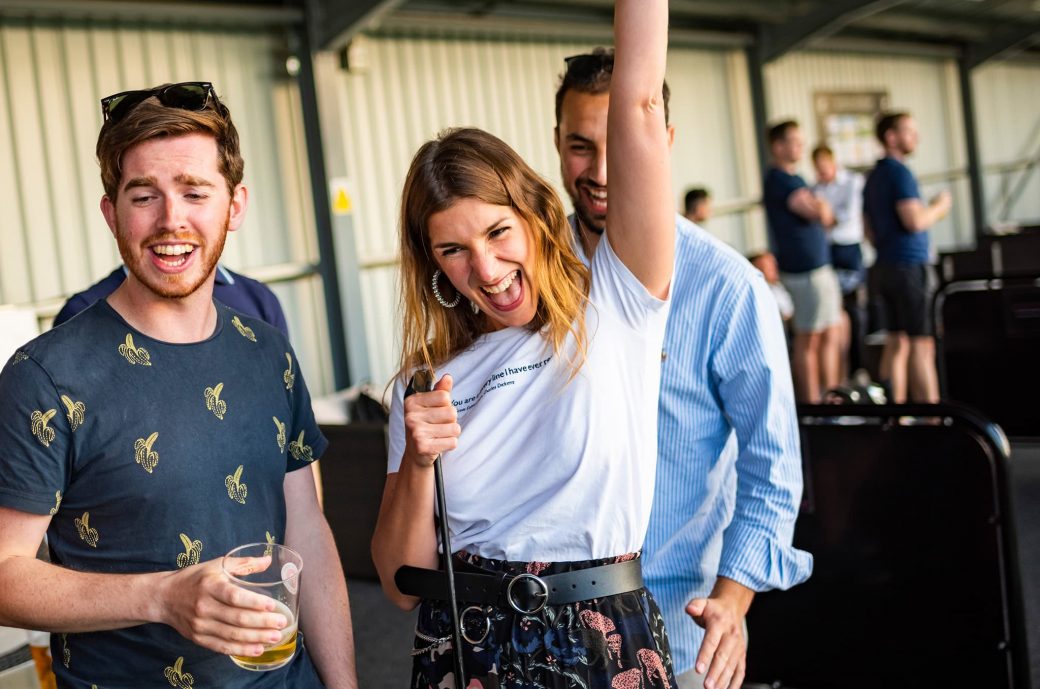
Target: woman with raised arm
[(545, 410)]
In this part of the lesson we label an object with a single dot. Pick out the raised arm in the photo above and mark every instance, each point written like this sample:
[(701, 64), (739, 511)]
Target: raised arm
[(640, 217)]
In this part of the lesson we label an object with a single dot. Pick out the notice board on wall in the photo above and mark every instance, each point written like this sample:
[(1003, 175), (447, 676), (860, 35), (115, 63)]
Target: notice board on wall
[(845, 122)]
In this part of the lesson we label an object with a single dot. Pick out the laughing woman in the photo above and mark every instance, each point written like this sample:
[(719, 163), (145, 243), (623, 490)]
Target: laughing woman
[(545, 410)]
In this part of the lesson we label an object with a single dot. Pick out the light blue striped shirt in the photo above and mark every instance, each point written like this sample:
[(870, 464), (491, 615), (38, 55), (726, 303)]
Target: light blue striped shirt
[(729, 475)]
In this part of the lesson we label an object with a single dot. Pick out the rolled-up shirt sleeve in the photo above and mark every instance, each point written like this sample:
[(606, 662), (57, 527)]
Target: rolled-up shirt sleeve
[(754, 381)]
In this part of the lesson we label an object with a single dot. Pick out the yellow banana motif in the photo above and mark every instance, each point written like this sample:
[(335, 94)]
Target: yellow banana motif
[(288, 376), (177, 677), (19, 357), (86, 532), (236, 490), (300, 451), (40, 429), (213, 401), (270, 542), (135, 355), (76, 411), (281, 433), (192, 552), (57, 502), (243, 329), (143, 453), (66, 656)]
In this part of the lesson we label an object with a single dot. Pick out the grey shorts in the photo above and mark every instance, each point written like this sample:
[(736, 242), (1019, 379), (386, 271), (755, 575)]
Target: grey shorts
[(817, 298)]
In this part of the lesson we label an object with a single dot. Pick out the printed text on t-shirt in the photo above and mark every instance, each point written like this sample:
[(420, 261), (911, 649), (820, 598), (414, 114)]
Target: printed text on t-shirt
[(500, 379)]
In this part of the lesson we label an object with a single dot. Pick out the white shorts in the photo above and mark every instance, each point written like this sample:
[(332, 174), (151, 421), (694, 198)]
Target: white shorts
[(817, 298)]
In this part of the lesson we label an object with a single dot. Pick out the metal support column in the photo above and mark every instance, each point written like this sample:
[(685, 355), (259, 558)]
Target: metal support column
[(971, 145), (756, 79), (301, 45)]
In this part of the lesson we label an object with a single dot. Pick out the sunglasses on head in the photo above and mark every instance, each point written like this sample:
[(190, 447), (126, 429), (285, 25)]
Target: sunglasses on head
[(588, 65), (187, 95)]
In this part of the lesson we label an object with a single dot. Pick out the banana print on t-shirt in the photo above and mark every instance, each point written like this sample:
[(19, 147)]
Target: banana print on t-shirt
[(192, 554), (86, 531), (75, 411), (243, 329), (236, 489), (280, 438), (287, 375), (135, 355), (213, 401), (177, 677), (143, 453), (301, 451), (43, 432)]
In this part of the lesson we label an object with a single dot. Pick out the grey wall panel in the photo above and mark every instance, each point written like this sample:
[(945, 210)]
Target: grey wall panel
[(1007, 106), (54, 240)]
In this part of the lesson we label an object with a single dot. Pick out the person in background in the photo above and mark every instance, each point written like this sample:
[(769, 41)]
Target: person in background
[(797, 221), (698, 205), (765, 261), (241, 293), (898, 222), (729, 467), (843, 190), (159, 429)]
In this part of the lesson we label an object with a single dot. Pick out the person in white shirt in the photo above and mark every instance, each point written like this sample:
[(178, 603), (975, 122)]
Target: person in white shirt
[(545, 410), (843, 190)]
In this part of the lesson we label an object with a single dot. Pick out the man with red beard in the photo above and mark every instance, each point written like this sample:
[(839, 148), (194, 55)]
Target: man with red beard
[(729, 477), (158, 430)]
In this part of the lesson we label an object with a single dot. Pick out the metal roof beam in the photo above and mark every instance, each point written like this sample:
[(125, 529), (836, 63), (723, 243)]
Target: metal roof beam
[(822, 22), (334, 22), (222, 13), (1019, 36)]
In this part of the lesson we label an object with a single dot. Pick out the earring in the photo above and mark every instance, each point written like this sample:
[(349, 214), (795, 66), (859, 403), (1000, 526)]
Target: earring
[(474, 308), (437, 293)]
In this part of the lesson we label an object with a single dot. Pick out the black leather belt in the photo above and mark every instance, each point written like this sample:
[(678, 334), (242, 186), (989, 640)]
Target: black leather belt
[(525, 593)]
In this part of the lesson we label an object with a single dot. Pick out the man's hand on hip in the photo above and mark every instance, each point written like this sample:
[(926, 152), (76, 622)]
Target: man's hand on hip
[(723, 654)]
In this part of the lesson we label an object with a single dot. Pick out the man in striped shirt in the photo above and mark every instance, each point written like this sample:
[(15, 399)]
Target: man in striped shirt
[(729, 474)]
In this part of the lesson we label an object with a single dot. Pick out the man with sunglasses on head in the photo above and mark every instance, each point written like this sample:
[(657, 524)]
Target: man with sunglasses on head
[(729, 469), (160, 429)]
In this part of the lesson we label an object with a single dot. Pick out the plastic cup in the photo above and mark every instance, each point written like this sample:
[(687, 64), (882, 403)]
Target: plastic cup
[(280, 580)]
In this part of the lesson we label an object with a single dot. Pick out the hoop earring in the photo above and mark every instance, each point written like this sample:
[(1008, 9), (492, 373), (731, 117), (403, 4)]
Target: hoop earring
[(437, 292)]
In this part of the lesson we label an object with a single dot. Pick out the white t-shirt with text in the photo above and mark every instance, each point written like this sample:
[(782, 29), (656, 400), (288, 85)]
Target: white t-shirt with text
[(550, 469)]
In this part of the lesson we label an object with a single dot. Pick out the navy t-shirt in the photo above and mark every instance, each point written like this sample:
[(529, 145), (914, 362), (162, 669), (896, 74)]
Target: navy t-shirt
[(245, 295), (800, 245), (150, 457), (889, 183)]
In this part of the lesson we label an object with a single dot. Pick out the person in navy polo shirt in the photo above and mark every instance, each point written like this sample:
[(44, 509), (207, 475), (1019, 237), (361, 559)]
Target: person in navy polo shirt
[(898, 221), (246, 295), (797, 236)]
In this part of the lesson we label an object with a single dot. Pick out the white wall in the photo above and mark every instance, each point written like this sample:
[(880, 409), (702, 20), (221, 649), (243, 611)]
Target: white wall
[(1007, 114), (53, 239)]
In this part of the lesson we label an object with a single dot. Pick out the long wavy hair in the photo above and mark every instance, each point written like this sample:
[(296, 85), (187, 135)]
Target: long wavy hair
[(470, 163)]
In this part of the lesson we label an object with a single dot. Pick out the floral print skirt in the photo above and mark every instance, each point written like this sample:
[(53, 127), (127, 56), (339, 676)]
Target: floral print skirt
[(616, 642)]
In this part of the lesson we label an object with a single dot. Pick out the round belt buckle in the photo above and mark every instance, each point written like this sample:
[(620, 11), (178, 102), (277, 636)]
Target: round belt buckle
[(543, 594), (465, 627)]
